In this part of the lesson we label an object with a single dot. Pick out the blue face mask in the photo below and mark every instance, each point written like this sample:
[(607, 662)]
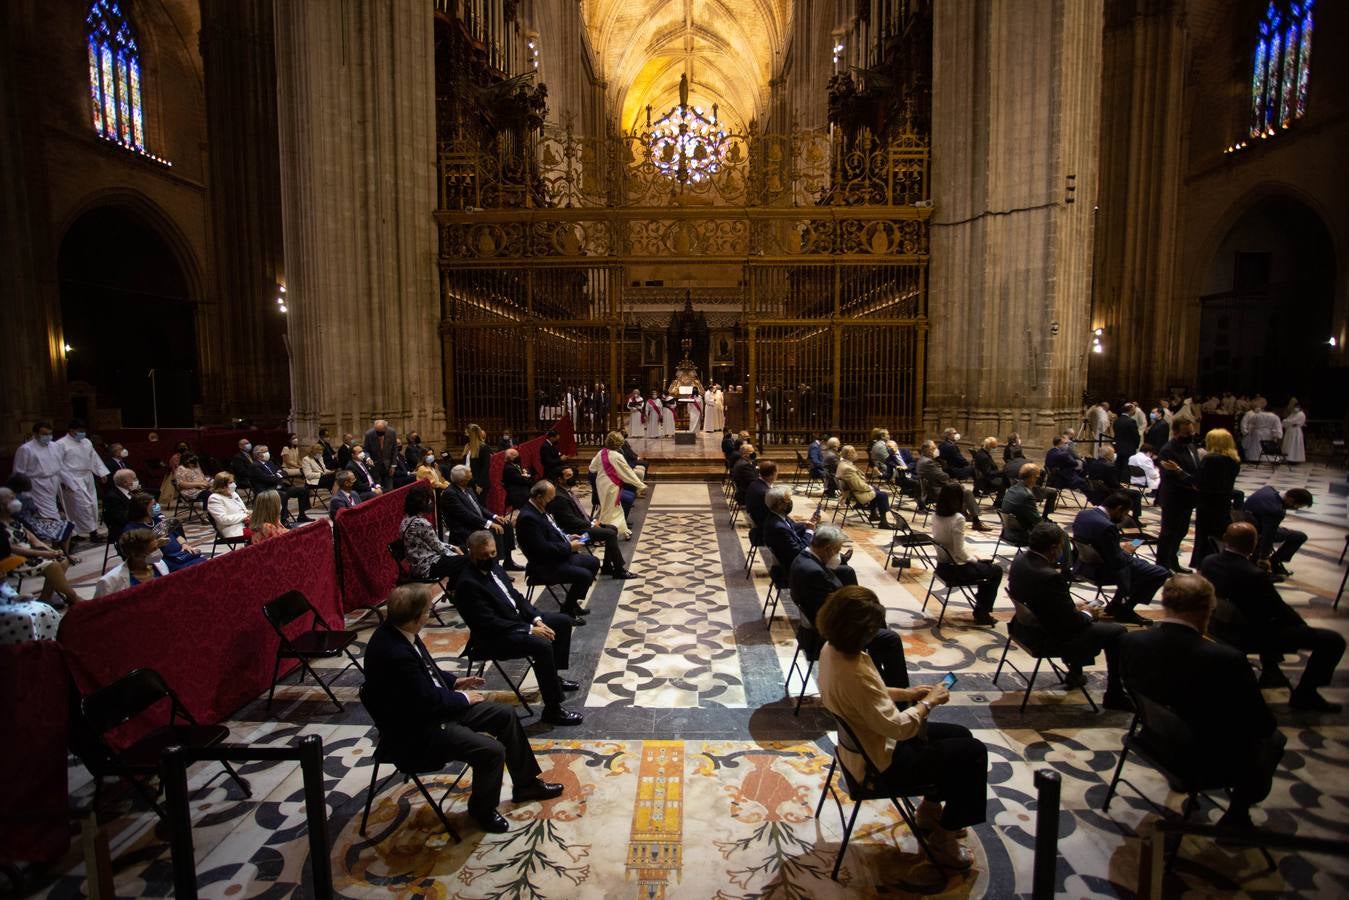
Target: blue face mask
[(155, 509), (44, 439), (78, 435)]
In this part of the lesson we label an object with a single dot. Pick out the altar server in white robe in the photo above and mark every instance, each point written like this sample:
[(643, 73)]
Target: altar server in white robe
[(709, 411), (612, 473), (1294, 450), (635, 404), (40, 460), (667, 416), (695, 406), (1257, 426), (653, 409), (80, 466)]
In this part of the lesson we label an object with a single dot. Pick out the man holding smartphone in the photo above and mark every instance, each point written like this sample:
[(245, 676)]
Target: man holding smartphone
[(1137, 580)]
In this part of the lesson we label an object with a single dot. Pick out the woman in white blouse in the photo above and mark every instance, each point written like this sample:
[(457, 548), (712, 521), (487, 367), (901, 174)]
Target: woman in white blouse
[(907, 748), (225, 506), (140, 547), (954, 563)]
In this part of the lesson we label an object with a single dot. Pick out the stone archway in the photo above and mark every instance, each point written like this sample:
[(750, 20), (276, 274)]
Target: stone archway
[(128, 307), (1266, 304)]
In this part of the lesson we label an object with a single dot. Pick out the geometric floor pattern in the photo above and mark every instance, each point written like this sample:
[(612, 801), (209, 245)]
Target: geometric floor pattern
[(690, 743)]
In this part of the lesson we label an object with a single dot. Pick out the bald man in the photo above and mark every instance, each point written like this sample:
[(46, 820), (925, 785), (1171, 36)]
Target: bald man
[(381, 446)]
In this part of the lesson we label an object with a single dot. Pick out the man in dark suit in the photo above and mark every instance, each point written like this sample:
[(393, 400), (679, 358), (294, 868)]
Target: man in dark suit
[(948, 451), (756, 494), (462, 513), (367, 484), (1258, 619), (503, 623), (1178, 491), (241, 463), (552, 555), (116, 458), (329, 453), (1037, 584), (1104, 470), (1159, 431), (812, 580), (344, 493), (1268, 507), (745, 471), (344, 452), (515, 481), (116, 501), (550, 458), (1127, 439), (1211, 687), (1022, 507), (728, 448), (381, 446), (1061, 467), (566, 511), (265, 475), (428, 717), (783, 537), (1137, 580)]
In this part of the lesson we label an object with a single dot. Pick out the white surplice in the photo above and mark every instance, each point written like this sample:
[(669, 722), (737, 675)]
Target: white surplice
[(1257, 427), (42, 464), (80, 465), (1294, 450)]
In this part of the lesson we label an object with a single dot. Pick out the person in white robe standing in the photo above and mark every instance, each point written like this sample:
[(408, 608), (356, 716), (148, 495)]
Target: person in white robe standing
[(40, 460), (80, 466), (1294, 418), (695, 407), (1258, 426), (653, 424), (667, 416), (612, 473), (709, 411)]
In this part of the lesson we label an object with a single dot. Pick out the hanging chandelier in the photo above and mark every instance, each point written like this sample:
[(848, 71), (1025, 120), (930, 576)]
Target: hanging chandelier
[(686, 145)]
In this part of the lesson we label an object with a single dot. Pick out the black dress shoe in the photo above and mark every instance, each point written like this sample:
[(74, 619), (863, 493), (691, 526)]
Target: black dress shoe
[(536, 790), (1074, 679), (559, 715), (492, 822), (1181, 570), (623, 573), (1125, 615), (1119, 702), (568, 685), (512, 566), (1271, 677), (845, 556)]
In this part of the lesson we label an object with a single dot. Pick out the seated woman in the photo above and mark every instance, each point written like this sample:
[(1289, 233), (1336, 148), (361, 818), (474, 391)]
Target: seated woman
[(225, 506), (854, 487), (427, 469), (290, 456), (427, 555), (314, 471), (265, 522), (907, 748), (38, 558), (143, 511), (189, 478), (954, 564), (53, 532), (140, 547), (613, 478)]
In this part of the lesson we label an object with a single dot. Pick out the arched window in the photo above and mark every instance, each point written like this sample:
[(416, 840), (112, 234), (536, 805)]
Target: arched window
[(1281, 66), (115, 75)]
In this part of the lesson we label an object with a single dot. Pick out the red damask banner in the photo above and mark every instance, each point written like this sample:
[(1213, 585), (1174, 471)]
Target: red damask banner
[(364, 532), (34, 688)]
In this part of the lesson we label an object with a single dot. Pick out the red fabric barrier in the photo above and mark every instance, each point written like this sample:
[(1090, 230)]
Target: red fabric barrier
[(566, 436), (366, 568), (531, 458), (496, 494), (34, 688), (202, 627)]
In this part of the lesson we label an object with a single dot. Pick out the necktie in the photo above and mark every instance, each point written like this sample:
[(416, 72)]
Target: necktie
[(472, 499), (430, 665), (501, 589), (556, 527)]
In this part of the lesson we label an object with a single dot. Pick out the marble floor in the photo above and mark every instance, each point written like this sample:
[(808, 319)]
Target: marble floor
[(692, 777)]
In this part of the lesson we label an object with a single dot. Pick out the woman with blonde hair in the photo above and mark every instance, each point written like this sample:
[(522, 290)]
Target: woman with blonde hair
[(316, 474), (478, 458), (265, 522), (290, 456), (613, 476), (1215, 480), (225, 506)]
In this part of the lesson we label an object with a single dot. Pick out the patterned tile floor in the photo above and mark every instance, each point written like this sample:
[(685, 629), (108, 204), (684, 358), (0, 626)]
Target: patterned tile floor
[(691, 777)]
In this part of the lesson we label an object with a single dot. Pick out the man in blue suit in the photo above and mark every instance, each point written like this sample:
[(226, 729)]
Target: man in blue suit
[(1138, 580), (551, 555), (1267, 507), (427, 717), (783, 537), (502, 623)]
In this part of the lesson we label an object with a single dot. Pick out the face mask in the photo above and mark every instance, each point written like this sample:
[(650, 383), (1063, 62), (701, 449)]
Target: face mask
[(248, 447), (78, 435), (788, 511), (295, 443), (430, 459), (359, 457), (266, 456), (571, 482), (44, 439), (154, 557), (484, 564), (155, 509), (135, 486), (232, 487), (1153, 416), (15, 507), (955, 437), (124, 454)]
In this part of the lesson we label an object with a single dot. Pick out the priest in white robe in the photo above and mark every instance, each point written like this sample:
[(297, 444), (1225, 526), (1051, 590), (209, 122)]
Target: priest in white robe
[(1258, 426), (80, 466), (1294, 449), (40, 460), (695, 407), (667, 416), (653, 410)]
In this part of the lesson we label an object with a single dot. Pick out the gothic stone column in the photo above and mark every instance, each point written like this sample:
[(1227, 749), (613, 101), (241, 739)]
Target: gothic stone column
[(356, 106), (1016, 93)]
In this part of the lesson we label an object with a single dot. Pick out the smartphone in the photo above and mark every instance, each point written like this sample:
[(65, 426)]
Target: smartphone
[(949, 680), (1137, 542), (585, 538)]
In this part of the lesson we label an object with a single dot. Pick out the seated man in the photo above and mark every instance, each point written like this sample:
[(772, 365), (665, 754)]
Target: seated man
[(566, 511), (815, 457), (462, 514), (755, 496), (1266, 624), (933, 478), (515, 480), (829, 456), (812, 581), (1103, 469), (504, 624), (957, 466), (1062, 467), (783, 537), (1037, 584), (550, 458), (241, 463), (903, 469), (367, 485), (988, 477), (344, 493), (880, 453), (1146, 460), (854, 487), (551, 555), (1267, 508), (1137, 580), (1211, 687), (1023, 507), (745, 471), (117, 502), (266, 475), (428, 717)]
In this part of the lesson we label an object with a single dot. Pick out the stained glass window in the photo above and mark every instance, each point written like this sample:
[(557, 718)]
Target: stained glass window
[(1281, 66), (114, 75)]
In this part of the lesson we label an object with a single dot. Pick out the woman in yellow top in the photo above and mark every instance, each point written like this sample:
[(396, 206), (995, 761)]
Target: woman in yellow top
[(855, 487), (613, 476), (907, 749), (427, 468)]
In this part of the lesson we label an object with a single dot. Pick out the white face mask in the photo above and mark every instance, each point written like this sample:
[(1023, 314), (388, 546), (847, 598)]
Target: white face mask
[(232, 487), (266, 456), (15, 507), (154, 557), (133, 487), (247, 447), (430, 460), (956, 436), (124, 454)]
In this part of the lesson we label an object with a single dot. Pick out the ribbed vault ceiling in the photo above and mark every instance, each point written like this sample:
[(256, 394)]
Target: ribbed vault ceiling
[(729, 48)]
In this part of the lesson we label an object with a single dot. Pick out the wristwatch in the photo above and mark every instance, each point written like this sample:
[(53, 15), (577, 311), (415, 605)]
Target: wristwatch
[(926, 706)]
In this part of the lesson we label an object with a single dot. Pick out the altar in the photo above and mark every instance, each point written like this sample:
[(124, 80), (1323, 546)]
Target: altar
[(687, 390)]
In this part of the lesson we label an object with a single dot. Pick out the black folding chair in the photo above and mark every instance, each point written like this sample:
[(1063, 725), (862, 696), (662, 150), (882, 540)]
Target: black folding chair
[(777, 583), (809, 643), (319, 642), (910, 541), (192, 502), (1271, 452), (1137, 472), (953, 580), (1161, 738), (1009, 524), (398, 550), (383, 756), (1087, 555), (229, 542), (1025, 631), (128, 698), (868, 789), (475, 655)]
